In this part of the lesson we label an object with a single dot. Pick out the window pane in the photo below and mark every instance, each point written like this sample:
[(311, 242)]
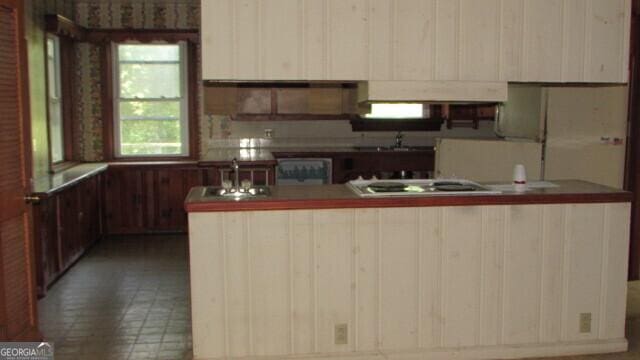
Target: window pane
[(150, 80), (149, 109), (149, 52), (56, 131), (150, 137)]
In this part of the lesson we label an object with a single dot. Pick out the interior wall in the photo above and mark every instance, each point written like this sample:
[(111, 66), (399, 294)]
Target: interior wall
[(139, 14), (327, 131), (36, 47)]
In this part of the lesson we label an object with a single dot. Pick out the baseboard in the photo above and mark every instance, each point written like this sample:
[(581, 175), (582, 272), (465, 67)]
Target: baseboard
[(467, 353)]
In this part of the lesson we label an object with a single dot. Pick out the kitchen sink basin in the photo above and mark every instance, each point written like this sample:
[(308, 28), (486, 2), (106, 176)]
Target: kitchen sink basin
[(242, 193)]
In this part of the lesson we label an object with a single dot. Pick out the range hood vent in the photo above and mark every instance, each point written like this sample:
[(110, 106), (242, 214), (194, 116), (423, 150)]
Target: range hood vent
[(432, 91)]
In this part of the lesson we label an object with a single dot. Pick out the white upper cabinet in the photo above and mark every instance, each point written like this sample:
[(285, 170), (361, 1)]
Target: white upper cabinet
[(397, 40)]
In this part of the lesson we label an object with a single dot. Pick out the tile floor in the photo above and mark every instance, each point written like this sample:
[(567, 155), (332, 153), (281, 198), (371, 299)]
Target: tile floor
[(129, 299)]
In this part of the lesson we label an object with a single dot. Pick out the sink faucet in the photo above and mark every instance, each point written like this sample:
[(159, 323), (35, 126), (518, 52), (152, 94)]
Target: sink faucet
[(236, 174), (399, 137)]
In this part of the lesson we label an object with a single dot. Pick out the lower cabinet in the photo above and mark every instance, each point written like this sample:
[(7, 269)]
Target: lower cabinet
[(66, 224), (143, 199)]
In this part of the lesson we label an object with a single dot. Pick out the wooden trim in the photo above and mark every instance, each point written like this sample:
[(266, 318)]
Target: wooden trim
[(307, 204), (143, 35), (61, 26), (632, 163), (108, 88), (194, 113), (67, 85), (32, 333), (107, 101)]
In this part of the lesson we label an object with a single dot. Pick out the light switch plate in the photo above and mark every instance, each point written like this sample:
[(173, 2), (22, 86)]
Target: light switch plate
[(341, 334), (585, 323)]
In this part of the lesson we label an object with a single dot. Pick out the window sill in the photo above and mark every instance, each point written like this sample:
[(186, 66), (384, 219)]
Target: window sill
[(62, 166)]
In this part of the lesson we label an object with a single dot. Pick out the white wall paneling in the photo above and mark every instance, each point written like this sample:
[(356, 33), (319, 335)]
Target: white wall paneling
[(472, 281), (418, 40)]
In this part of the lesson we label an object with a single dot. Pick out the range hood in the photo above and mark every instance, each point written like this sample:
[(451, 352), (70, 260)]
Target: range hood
[(432, 91)]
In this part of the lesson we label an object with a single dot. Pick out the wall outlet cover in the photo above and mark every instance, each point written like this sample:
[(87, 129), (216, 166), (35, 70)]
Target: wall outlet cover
[(341, 334)]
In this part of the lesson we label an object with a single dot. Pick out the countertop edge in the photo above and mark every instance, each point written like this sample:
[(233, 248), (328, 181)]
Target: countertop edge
[(100, 167), (475, 200)]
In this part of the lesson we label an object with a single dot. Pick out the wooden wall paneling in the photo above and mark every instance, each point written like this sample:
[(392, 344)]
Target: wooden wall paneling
[(542, 40), (511, 36), (447, 40), (461, 276), (281, 39), (380, 39), (492, 265), (246, 44), (430, 283), (479, 40), (218, 39), (214, 341), (553, 245), (333, 277), (242, 336), (302, 281), (523, 261), (409, 279), (615, 252), (314, 44), (271, 273), (367, 256), (588, 232), (398, 278), (606, 40), (413, 39), (347, 26), (574, 44)]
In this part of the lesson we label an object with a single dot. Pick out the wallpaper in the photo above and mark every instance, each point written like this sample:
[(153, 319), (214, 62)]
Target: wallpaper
[(138, 14)]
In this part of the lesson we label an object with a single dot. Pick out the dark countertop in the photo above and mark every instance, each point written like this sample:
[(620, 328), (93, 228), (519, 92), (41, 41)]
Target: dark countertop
[(340, 196), (47, 185)]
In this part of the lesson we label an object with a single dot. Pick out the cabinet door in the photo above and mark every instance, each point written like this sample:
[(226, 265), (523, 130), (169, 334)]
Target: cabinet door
[(69, 225), (45, 224), (171, 188), (124, 198)]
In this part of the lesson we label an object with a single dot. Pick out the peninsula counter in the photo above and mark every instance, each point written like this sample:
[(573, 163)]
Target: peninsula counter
[(318, 272)]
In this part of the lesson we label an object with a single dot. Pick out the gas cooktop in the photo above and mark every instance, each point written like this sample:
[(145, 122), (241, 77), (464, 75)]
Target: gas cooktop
[(418, 187)]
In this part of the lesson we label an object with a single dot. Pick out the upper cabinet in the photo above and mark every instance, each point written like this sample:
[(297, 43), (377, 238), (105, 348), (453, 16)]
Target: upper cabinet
[(392, 40)]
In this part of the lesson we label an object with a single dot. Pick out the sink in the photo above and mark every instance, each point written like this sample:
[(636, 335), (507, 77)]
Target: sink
[(252, 192)]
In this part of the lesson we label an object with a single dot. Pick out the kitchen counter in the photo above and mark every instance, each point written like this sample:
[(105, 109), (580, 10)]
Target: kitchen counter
[(47, 185), (315, 271), (340, 196)]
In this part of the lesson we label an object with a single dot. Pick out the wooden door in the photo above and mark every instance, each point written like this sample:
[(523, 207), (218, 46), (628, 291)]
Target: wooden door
[(18, 319)]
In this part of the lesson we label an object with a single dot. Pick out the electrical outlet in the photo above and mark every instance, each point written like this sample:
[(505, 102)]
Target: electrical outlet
[(341, 334), (585, 322)]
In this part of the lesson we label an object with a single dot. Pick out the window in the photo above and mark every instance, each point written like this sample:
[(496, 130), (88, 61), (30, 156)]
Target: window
[(397, 111), (54, 98), (151, 102)]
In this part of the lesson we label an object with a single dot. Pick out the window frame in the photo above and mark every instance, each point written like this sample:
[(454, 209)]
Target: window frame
[(184, 101), (65, 63), (105, 38)]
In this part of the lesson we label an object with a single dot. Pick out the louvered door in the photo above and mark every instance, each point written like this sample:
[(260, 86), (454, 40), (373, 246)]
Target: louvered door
[(17, 295)]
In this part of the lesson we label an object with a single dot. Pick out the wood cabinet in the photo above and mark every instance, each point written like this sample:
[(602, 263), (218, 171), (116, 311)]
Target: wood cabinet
[(389, 40), (148, 198), (66, 224)]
